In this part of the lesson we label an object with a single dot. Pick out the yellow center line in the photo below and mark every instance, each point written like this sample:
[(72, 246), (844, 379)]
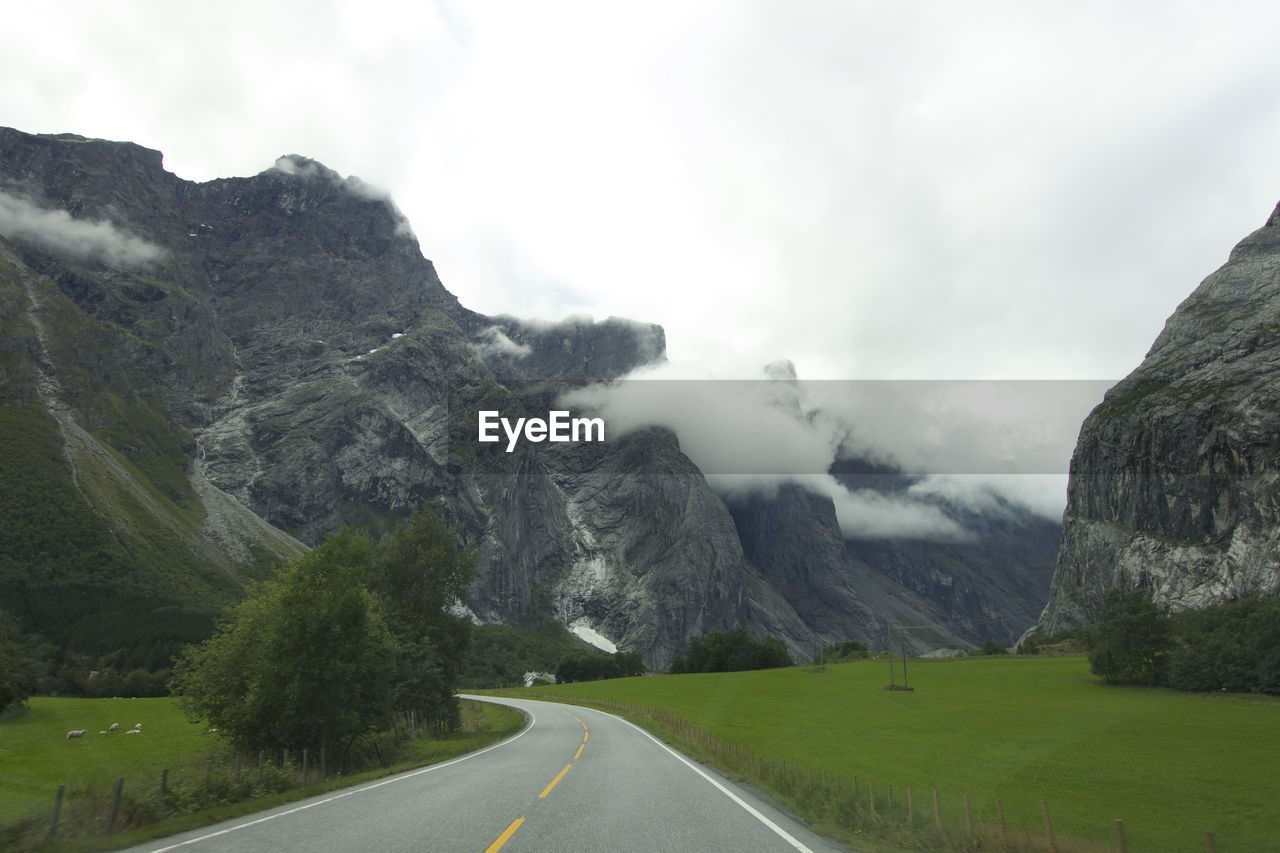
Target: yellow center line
[(585, 735), (505, 837), (547, 790), (579, 755)]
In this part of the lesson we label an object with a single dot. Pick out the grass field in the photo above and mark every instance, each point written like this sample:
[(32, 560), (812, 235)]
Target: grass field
[(1023, 730), (36, 757)]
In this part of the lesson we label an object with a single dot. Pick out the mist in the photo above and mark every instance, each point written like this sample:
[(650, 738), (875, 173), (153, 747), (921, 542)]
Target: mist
[(976, 447), (56, 232)]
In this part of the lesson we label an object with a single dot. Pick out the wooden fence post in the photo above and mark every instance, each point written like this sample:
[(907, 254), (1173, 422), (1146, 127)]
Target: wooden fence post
[(262, 754), (911, 806), (1120, 845), (304, 765), (1209, 844), (1048, 825), (937, 818), (57, 810), (164, 781), (968, 820), (1004, 842), (323, 775), (871, 787), (890, 805), (239, 758), (115, 806)]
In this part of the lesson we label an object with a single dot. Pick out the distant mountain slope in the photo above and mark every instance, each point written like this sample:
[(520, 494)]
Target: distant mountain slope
[(1175, 480)]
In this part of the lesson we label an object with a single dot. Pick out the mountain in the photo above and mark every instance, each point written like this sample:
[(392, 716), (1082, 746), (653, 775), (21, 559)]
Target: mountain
[(201, 379), (1175, 480)]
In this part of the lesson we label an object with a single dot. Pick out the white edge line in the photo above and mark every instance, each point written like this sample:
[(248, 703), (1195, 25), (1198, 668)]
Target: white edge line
[(362, 788), (750, 809)]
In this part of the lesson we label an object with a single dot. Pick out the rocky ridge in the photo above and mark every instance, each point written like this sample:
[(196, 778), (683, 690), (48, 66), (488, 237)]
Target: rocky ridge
[(1175, 480)]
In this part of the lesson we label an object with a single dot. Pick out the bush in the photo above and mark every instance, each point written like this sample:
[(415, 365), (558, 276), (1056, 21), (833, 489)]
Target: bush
[(731, 651), (594, 667), (1232, 647), (1132, 641), (850, 649)]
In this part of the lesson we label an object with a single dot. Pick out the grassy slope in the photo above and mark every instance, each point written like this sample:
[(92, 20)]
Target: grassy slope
[(1023, 730)]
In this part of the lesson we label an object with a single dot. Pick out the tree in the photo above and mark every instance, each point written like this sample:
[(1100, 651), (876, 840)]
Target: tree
[(1132, 640), (306, 660), (16, 680), (420, 571), (731, 651)]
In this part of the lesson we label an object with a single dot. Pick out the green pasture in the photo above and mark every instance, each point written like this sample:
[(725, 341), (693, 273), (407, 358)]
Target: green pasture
[(1023, 730), (36, 756)]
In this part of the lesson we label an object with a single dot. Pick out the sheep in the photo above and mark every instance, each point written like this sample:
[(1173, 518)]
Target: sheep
[(134, 732), (113, 727), (75, 733)]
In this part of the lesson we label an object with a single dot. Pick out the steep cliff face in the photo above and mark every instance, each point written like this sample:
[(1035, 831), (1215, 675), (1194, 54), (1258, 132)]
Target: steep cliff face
[(1175, 480), (210, 376)]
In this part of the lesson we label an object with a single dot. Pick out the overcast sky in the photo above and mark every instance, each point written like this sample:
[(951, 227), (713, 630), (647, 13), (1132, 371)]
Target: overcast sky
[(933, 190)]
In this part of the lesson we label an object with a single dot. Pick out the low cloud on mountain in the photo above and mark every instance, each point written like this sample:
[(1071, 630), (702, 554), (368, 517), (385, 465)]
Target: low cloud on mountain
[(57, 232)]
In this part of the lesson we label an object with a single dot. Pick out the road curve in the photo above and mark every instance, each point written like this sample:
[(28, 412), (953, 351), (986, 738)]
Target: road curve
[(574, 779)]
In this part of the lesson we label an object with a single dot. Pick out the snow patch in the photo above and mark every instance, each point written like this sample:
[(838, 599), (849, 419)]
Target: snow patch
[(582, 630)]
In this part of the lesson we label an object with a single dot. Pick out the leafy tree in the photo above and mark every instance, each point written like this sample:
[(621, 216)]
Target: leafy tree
[(991, 647), (772, 653), (1233, 647), (1132, 640), (16, 679), (420, 571), (305, 660)]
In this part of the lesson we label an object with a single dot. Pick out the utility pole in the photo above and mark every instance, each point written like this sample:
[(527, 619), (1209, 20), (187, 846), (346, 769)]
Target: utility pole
[(902, 640), (889, 646), (902, 644)]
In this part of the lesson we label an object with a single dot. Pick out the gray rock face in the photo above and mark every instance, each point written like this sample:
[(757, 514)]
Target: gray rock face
[(1175, 481), (308, 369)]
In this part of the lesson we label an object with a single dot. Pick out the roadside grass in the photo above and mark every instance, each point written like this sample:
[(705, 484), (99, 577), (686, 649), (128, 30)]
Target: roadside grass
[(1025, 731), (202, 786)]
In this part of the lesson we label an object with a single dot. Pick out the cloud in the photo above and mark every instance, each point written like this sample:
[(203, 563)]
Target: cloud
[(993, 495), (308, 169), (56, 232), (975, 447), (494, 343)]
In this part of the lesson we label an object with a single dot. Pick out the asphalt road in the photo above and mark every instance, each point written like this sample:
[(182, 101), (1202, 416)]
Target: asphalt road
[(574, 780)]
